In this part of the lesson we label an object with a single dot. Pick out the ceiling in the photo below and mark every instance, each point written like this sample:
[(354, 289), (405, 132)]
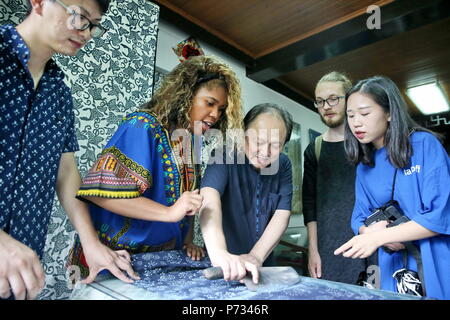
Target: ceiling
[(288, 45)]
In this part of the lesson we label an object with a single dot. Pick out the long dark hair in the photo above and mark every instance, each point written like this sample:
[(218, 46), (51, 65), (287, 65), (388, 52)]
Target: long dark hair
[(396, 138)]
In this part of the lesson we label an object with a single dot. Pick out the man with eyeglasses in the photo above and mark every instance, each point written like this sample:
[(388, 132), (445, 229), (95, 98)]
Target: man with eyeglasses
[(328, 186), (38, 141)]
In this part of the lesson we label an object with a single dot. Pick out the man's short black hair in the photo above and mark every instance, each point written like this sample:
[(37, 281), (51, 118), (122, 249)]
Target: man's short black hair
[(270, 108), (103, 4)]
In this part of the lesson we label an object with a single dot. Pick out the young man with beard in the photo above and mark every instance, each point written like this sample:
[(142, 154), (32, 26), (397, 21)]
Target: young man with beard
[(38, 141), (328, 187)]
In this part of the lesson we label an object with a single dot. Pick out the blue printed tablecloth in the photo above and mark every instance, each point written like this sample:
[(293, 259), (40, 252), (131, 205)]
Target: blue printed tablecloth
[(171, 275)]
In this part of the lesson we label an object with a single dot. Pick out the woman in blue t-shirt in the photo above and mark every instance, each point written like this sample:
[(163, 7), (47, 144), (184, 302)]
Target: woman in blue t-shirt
[(398, 160)]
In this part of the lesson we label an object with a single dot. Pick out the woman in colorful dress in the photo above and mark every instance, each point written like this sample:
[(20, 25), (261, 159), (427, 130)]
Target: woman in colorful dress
[(143, 189)]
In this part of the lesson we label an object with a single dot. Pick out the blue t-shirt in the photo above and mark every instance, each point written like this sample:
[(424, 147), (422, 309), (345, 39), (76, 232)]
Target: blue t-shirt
[(423, 193), (36, 127), (249, 199)]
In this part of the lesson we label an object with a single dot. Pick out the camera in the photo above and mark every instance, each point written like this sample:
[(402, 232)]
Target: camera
[(390, 212)]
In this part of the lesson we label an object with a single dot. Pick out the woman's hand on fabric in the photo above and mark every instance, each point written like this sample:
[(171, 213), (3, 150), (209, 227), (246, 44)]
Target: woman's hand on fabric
[(194, 252), (99, 257), (188, 204), (361, 246), (314, 264)]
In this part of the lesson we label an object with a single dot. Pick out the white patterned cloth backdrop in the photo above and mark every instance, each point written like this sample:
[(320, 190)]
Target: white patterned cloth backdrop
[(111, 77)]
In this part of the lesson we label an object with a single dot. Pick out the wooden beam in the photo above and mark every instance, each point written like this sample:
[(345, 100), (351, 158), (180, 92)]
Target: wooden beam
[(396, 17), (177, 16), (290, 93), (171, 14), (322, 28)]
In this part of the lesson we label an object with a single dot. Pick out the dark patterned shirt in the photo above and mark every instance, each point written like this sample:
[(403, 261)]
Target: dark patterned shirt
[(36, 127)]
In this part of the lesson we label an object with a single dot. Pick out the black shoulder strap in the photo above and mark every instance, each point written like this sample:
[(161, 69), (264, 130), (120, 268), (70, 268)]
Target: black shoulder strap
[(393, 185), (410, 247)]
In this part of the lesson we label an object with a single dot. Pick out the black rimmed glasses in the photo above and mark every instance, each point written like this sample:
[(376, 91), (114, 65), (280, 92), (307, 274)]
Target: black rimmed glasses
[(331, 101), (80, 22)]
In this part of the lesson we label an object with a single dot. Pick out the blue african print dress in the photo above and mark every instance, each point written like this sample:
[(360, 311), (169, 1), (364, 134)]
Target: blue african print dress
[(139, 160)]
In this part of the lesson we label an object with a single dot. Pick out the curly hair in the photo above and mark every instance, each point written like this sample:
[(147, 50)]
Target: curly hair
[(172, 102)]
